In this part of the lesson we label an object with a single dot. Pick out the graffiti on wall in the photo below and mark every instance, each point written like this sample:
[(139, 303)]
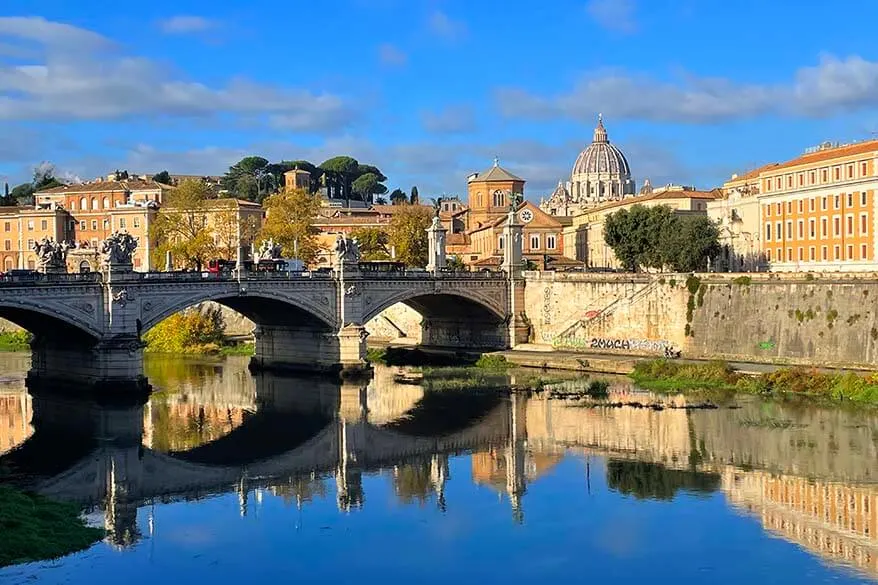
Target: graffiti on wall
[(604, 343), (547, 305)]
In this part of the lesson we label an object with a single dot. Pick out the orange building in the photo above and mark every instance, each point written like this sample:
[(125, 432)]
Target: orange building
[(817, 212)]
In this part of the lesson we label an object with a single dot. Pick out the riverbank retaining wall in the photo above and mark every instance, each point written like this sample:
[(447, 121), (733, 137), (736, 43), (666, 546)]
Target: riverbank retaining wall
[(826, 319)]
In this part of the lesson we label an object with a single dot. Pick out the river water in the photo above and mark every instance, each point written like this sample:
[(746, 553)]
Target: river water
[(225, 477)]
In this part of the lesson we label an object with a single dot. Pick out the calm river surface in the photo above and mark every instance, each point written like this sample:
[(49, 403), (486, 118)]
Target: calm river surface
[(225, 477)]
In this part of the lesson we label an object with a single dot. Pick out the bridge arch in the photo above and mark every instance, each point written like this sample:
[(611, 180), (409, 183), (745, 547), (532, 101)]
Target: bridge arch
[(463, 318), (263, 307), (50, 321)]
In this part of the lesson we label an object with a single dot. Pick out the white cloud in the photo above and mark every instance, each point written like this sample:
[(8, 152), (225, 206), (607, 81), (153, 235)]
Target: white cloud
[(450, 120), (82, 76), (391, 55), (182, 25), (443, 26), (613, 15), (833, 85)]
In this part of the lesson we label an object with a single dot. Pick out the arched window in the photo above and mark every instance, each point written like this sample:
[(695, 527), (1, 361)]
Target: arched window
[(106, 203), (94, 202), (498, 198), (83, 204), (7, 264)]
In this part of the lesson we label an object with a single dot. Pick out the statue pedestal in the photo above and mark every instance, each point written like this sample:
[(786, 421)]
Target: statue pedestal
[(118, 271), (352, 350), (55, 270)]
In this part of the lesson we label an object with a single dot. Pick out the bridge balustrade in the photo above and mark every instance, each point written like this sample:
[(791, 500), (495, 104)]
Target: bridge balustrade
[(32, 278)]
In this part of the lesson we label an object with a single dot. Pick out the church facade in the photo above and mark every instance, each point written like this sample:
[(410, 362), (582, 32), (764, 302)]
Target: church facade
[(601, 174)]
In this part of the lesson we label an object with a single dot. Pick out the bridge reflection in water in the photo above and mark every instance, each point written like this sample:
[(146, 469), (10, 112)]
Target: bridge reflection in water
[(806, 474)]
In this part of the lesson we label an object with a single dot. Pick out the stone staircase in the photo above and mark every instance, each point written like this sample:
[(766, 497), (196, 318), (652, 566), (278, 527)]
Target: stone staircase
[(607, 310)]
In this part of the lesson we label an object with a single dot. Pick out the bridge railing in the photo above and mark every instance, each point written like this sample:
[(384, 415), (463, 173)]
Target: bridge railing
[(422, 274), (195, 276), (13, 279)]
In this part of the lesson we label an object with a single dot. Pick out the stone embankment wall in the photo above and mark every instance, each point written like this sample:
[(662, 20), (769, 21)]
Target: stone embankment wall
[(826, 319)]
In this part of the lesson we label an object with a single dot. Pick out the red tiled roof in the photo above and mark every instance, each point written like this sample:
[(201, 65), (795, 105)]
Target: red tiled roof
[(829, 154)]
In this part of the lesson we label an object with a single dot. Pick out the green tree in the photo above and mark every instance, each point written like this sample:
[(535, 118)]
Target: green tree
[(455, 263), (7, 200), (370, 169), (368, 186), (44, 176), (182, 227), (373, 243), (289, 221), (302, 165), (693, 239), (655, 237), (22, 194), (398, 197), (190, 331), (415, 198), (242, 178), (163, 177), (408, 234)]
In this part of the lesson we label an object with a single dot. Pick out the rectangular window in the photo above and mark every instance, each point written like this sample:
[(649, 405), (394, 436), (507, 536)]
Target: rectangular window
[(94, 225), (864, 252), (121, 223), (823, 204), (812, 178), (789, 206), (823, 229), (500, 242), (7, 227), (7, 244), (137, 222), (850, 255), (812, 253), (850, 224), (850, 199), (863, 199), (837, 173), (850, 171), (801, 205), (106, 224), (30, 224), (837, 250), (812, 228), (550, 242), (801, 229), (767, 211), (825, 176), (789, 254), (836, 222), (801, 254), (30, 244), (789, 180), (777, 183), (837, 202), (863, 169), (811, 204), (801, 179), (535, 242), (768, 232), (864, 224), (768, 254), (789, 229), (44, 225), (779, 209), (824, 253), (779, 230), (82, 225)]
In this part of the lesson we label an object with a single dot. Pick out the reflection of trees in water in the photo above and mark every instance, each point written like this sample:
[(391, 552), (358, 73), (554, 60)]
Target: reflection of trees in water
[(413, 482), (653, 481), (183, 426)]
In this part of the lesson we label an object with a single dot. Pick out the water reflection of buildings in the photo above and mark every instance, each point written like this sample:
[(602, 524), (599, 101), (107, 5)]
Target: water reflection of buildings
[(513, 444), (15, 418), (833, 520)]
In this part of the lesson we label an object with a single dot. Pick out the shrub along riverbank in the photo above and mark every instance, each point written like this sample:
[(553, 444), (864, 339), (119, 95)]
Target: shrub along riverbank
[(34, 528), (15, 341), (665, 375), (194, 332)]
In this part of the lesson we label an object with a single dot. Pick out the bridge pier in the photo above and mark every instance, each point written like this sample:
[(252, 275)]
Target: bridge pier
[(463, 332), (290, 348), (112, 365)]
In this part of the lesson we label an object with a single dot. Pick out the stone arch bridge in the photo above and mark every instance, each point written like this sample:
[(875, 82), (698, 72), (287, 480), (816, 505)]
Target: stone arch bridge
[(88, 327)]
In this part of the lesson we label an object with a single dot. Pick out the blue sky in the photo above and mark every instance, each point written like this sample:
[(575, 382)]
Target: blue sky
[(430, 90)]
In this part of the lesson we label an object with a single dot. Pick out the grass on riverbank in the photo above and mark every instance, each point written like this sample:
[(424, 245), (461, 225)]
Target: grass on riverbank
[(34, 528), (15, 341), (667, 376)]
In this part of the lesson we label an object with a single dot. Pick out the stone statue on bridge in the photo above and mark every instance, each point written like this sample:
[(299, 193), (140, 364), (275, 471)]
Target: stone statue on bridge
[(51, 255), (268, 250), (347, 249), (118, 248)]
